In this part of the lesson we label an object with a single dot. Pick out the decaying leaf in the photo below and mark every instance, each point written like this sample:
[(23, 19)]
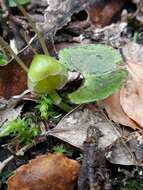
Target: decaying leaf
[(73, 127), (115, 110), (8, 110), (46, 172), (126, 106), (102, 15), (111, 34), (139, 11), (13, 79), (131, 94), (59, 13), (132, 100), (127, 151)]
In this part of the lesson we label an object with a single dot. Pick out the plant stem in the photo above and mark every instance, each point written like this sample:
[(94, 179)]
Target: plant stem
[(40, 38), (19, 61), (64, 106), (58, 101)]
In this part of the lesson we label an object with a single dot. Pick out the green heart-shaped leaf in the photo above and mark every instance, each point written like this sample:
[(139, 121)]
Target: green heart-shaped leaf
[(98, 87), (90, 59), (100, 67)]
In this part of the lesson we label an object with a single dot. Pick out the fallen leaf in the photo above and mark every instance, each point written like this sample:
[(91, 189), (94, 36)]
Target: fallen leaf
[(132, 101), (59, 13), (115, 111), (8, 110), (13, 79), (131, 94), (127, 151), (111, 34), (102, 15), (126, 106), (46, 172), (73, 127)]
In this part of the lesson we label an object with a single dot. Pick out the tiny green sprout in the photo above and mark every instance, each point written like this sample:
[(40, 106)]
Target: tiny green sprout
[(59, 149), (3, 59), (44, 106), (22, 130)]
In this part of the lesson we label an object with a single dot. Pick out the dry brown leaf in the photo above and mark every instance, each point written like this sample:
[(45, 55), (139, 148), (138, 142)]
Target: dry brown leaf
[(9, 110), (131, 94), (126, 106), (127, 151), (111, 34), (115, 111), (132, 101), (59, 13), (46, 172), (73, 127), (13, 79), (102, 15)]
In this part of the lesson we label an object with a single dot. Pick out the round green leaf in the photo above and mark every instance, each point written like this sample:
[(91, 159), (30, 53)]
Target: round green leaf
[(90, 59), (98, 87)]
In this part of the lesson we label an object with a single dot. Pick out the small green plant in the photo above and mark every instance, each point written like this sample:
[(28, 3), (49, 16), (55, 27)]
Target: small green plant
[(131, 184), (22, 130), (44, 106), (22, 2), (100, 66), (60, 149), (63, 149), (3, 60)]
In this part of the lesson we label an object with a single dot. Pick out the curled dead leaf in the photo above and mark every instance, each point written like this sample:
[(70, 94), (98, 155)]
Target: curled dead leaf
[(115, 110), (73, 127), (9, 110), (127, 151), (102, 15), (131, 94), (126, 106), (132, 100), (46, 172)]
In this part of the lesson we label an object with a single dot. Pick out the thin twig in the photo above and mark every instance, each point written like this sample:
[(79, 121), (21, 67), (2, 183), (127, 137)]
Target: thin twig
[(19, 61), (5, 162), (40, 38)]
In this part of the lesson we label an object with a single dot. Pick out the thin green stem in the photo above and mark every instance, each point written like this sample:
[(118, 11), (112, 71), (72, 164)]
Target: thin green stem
[(19, 61), (58, 101), (64, 106), (40, 38)]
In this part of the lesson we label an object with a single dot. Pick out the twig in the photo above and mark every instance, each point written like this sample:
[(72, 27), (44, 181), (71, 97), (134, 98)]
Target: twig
[(40, 38), (5, 162), (19, 61)]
